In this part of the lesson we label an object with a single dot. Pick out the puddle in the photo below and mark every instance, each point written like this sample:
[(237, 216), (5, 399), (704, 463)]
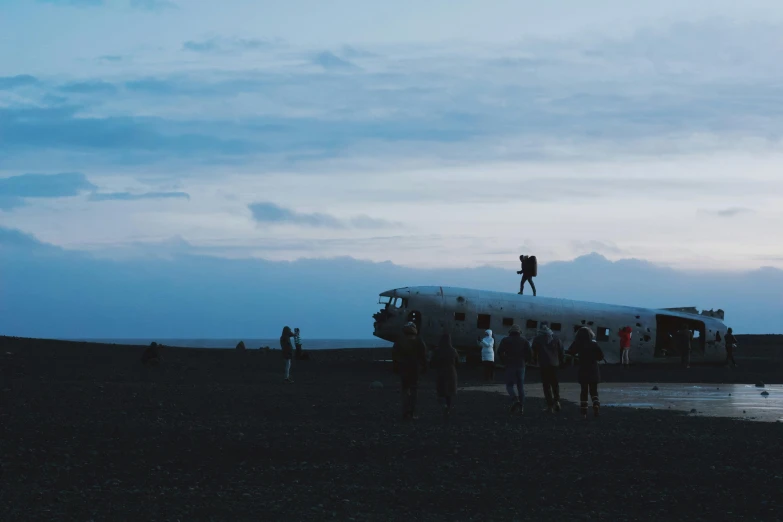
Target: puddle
[(743, 401)]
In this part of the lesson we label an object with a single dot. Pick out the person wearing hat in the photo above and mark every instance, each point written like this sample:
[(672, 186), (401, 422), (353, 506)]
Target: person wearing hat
[(548, 353), (409, 353), (515, 353), (587, 351)]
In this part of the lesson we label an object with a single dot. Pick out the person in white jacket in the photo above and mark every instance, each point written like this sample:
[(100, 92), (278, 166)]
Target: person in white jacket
[(488, 355)]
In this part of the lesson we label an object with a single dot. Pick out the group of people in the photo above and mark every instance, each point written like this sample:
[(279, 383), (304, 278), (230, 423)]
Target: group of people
[(291, 346), (409, 356)]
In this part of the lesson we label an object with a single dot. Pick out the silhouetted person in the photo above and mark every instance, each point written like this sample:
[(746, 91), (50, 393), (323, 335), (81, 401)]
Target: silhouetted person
[(682, 340), (515, 353), (151, 355), (298, 343), (588, 353), (527, 275), (625, 345), (731, 344), (409, 353), (445, 360), (287, 346), (548, 353)]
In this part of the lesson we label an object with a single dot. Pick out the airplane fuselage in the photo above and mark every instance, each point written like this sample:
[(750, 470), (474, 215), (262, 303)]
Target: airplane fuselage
[(467, 313)]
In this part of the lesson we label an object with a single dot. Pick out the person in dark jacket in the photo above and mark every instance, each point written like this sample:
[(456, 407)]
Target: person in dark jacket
[(588, 353), (548, 354), (409, 353), (515, 353), (731, 344), (287, 346), (682, 340), (445, 360), (526, 275)]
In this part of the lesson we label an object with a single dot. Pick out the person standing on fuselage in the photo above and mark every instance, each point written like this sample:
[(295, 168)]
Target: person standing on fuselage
[(548, 353), (526, 275), (625, 345), (515, 353)]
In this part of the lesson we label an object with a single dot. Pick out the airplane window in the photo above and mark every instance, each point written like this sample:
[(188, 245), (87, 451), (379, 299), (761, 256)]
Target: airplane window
[(459, 316), (484, 321), (508, 321), (400, 303), (531, 323), (556, 327), (602, 334), (384, 299)]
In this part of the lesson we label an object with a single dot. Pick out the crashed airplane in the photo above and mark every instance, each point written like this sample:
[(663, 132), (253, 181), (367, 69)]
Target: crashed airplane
[(468, 313)]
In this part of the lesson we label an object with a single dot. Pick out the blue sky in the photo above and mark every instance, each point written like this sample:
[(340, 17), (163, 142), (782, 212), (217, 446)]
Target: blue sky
[(437, 135)]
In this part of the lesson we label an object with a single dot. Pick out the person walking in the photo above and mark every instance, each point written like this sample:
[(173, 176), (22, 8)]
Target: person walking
[(731, 344), (487, 345), (527, 275), (548, 354), (625, 345), (409, 354), (515, 352), (287, 346), (444, 360), (588, 353)]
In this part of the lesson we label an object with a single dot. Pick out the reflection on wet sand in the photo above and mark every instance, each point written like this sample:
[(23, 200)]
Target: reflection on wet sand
[(743, 401)]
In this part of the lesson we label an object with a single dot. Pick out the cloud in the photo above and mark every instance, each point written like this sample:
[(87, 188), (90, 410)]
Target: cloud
[(270, 213), (219, 45), (728, 212), (199, 296), (78, 3), (12, 82), (332, 62), (596, 246), (153, 5), (127, 196), (14, 189), (89, 87)]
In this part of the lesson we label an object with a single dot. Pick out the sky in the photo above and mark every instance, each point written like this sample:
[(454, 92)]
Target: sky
[(437, 135)]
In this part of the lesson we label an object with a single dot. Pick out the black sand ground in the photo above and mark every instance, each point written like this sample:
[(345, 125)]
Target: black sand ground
[(89, 434)]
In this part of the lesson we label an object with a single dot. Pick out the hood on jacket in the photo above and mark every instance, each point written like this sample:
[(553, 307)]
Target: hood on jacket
[(488, 333), (545, 330)]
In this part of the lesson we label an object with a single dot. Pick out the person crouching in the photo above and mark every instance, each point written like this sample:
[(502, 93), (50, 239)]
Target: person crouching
[(408, 354), (515, 353)]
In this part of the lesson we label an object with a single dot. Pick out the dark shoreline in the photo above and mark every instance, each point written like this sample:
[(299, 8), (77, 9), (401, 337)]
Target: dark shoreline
[(88, 433)]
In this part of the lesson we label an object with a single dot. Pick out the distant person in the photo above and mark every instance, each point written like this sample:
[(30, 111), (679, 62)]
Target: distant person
[(625, 345), (548, 353), (731, 344), (409, 354), (515, 353), (444, 360), (588, 354), (527, 275), (487, 345), (298, 343), (682, 340), (287, 346)]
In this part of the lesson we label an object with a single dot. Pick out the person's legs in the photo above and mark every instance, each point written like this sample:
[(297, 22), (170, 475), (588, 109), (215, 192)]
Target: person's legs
[(594, 395), (546, 382), (626, 359), (583, 399), (532, 285), (287, 369)]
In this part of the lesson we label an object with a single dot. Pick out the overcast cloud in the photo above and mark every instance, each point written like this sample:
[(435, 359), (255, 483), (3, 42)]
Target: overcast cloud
[(437, 135)]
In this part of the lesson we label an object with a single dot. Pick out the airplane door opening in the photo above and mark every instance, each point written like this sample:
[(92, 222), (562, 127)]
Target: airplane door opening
[(667, 326)]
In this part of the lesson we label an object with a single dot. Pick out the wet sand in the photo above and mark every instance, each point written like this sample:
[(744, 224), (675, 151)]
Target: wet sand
[(88, 433)]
